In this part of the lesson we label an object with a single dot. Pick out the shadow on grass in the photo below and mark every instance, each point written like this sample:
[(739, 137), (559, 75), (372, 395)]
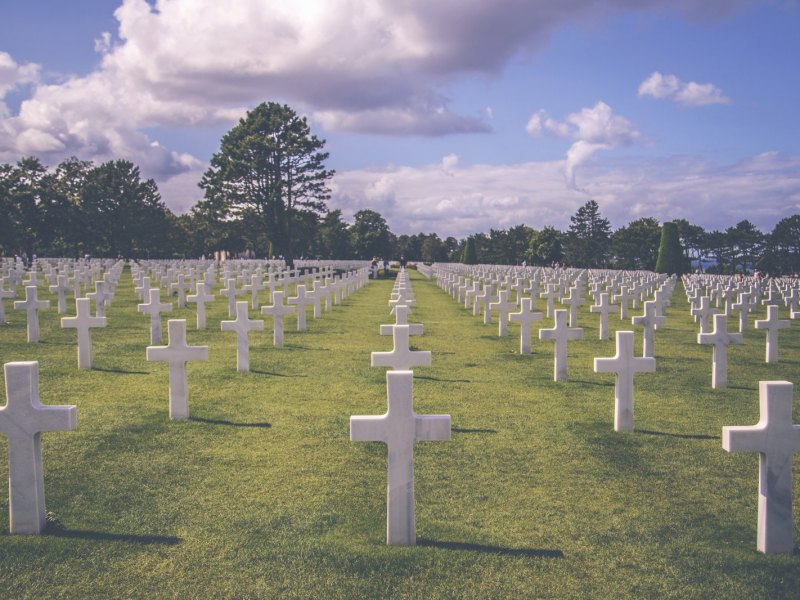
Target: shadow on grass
[(688, 436), (743, 387), (272, 374), (230, 423), (429, 378), (164, 540), (122, 371), (527, 552), (464, 430)]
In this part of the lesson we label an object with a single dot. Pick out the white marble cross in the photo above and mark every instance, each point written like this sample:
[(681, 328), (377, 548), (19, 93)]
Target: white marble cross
[(401, 358), (301, 300), (278, 310), (776, 439), (143, 290), (243, 325), (743, 306), (31, 305), (604, 308), (60, 289), (4, 293), (230, 292), (624, 364), (561, 333), (721, 339), (574, 300), (550, 295), (400, 428), (254, 287), (182, 286), (703, 314), (83, 321), (177, 352), (22, 419), (773, 324), (624, 295), (649, 320), (401, 318), (98, 296), (525, 317), (503, 307), (154, 308), (200, 297)]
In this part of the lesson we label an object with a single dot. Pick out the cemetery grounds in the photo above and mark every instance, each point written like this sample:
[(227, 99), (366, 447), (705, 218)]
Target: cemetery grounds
[(261, 494)]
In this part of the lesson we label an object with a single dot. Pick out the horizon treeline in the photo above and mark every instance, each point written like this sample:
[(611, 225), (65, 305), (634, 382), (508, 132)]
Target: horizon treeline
[(80, 208)]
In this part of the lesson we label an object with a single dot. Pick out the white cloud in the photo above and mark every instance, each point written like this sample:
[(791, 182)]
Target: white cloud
[(374, 66), (469, 199), (450, 161), (669, 87), (14, 76), (593, 129)]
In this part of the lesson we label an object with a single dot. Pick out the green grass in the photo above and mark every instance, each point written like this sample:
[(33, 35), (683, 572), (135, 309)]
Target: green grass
[(261, 493)]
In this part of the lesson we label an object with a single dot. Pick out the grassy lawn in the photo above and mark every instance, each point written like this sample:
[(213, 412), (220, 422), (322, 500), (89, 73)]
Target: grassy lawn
[(261, 493)]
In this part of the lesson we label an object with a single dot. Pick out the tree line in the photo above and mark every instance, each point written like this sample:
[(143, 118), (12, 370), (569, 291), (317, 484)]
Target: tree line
[(266, 193)]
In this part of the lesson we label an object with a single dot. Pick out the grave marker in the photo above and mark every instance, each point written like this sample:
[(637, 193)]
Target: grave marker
[(720, 339), (624, 364), (83, 322), (177, 352), (243, 325), (31, 305), (776, 439), (560, 333), (400, 428), (401, 358), (23, 419), (773, 324)]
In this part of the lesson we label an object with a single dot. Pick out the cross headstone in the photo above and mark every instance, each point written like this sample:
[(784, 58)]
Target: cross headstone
[(703, 314), (278, 310), (31, 305), (604, 308), (720, 338), (624, 364), (301, 300), (230, 292), (4, 293), (243, 325), (60, 289), (525, 317), (401, 318), (182, 286), (503, 306), (743, 306), (560, 333), (574, 300), (400, 428), (177, 352), (623, 297), (772, 324), (23, 419), (776, 439), (649, 320), (83, 322), (401, 358), (154, 308), (200, 297)]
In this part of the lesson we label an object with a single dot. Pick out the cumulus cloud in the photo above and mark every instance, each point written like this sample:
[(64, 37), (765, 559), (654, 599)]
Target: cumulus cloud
[(593, 129), (461, 201), (14, 76), (669, 87)]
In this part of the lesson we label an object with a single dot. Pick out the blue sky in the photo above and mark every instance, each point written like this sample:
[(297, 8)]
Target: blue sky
[(454, 116)]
